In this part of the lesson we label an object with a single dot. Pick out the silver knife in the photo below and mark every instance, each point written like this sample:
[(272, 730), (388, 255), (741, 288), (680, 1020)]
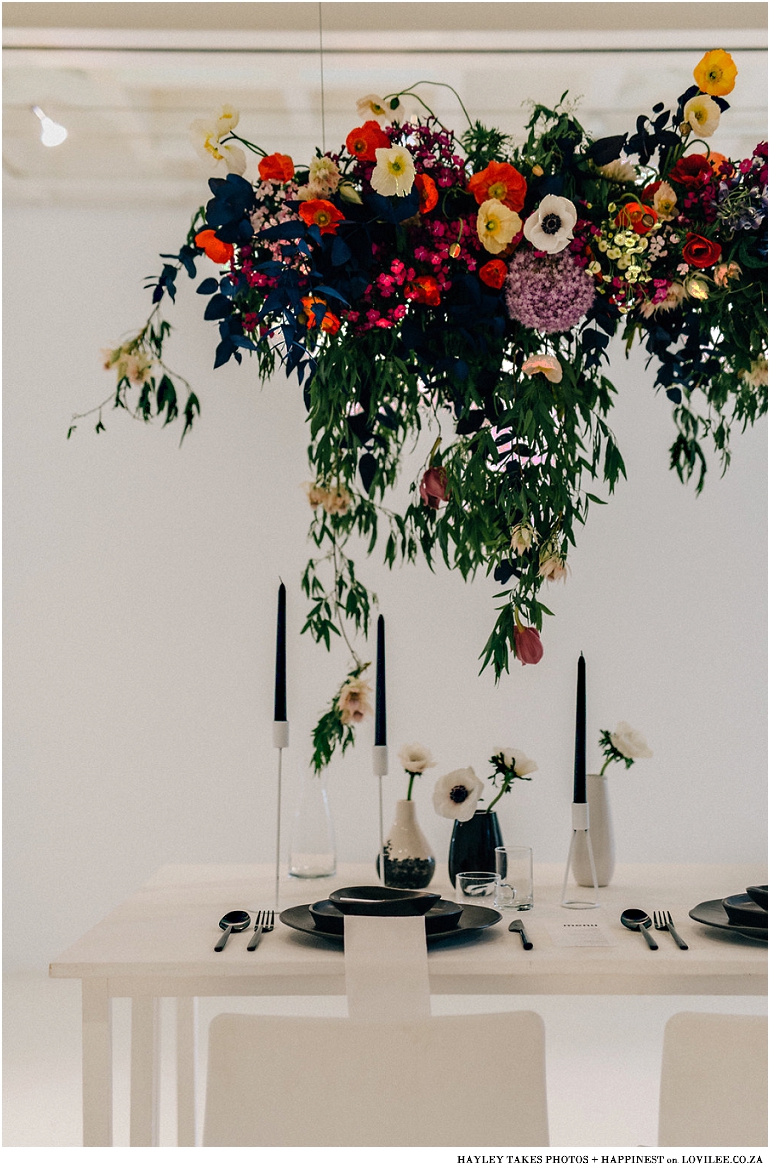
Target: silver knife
[(516, 926)]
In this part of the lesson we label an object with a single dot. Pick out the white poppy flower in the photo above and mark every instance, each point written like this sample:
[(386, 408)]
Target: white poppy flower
[(549, 228), (372, 106), (415, 758), (702, 114), (456, 794), (630, 742), (543, 364), (496, 225), (394, 173), (206, 135)]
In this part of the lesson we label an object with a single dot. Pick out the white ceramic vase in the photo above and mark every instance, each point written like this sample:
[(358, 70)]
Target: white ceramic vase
[(409, 861), (602, 840)]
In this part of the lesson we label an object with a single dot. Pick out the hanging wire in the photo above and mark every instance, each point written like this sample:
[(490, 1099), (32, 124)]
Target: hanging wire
[(321, 58)]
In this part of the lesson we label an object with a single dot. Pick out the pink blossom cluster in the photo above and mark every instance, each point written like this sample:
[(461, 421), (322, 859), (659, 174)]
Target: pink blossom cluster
[(548, 294), (433, 153)]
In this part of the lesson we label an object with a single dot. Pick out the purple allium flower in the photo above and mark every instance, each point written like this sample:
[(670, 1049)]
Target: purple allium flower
[(549, 294)]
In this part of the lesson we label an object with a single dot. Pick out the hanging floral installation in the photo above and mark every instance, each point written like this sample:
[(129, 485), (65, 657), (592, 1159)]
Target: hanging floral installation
[(457, 294)]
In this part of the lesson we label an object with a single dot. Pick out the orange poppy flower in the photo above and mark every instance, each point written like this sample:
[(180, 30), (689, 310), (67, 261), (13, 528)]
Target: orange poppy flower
[(493, 274), (424, 290), (215, 249), (716, 160), (330, 323), (364, 140), (499, 181), (715, 73), (278, 168), (322, 213), (428, 192), (637, 216)]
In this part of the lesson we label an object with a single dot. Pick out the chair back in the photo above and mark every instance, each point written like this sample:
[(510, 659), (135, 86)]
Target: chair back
[(713, 1088), (458, 1080)]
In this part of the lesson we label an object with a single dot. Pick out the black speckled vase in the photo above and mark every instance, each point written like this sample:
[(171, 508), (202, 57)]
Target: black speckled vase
[(472, 847), (409, 861)]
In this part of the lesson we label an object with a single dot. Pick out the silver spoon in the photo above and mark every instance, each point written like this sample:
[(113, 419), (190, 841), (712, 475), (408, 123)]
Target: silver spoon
[(639, 922), (233, 922)]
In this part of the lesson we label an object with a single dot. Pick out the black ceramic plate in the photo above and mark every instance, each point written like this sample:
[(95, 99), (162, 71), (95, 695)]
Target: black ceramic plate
[(758, 894), (713, 914), (742, 910), (441, 918), (471, 919)]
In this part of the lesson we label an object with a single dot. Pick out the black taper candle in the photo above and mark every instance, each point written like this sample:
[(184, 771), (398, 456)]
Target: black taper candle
[(280, 658), (579, 794), (380, 717)]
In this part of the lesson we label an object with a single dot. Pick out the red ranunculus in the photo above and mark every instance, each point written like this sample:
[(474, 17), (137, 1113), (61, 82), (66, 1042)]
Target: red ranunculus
[(215, 249), (493, 274), (433, 487), (527, 645), (637, 216), (424, 290), (428, 192), (499, 181), (700, 252), (364, 140), (322, 213), (278, 168), (691, 171)]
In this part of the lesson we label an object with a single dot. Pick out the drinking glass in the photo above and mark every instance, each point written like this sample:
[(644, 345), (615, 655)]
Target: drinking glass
[(476, 888), (514, 887)]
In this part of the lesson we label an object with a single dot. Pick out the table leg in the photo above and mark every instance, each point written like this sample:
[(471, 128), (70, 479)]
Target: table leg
[(186, 1066), (97, 1063), (145, 1032)]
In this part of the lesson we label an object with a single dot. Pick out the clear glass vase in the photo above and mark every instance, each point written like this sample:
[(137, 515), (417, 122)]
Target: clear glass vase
[(312, 853)]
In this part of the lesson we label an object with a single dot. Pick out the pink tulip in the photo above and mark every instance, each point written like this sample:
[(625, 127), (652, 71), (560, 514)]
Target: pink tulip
[(433, 487), (527, 645)]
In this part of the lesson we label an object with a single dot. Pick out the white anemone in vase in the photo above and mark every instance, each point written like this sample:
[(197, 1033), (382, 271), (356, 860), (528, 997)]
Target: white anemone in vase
[(456, 794), (549, 228), (630, 742), (415, 758)]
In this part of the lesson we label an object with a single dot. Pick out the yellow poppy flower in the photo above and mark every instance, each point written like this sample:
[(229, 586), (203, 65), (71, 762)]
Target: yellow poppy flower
[(496, 225), (715, 73)]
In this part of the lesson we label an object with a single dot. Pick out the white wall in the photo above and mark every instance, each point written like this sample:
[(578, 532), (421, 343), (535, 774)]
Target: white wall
[(140, 584)]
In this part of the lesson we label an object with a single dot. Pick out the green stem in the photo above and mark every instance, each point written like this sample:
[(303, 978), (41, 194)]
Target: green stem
[(506, 786), (604, 767), (443, 84), (411, 784), (252, 146)]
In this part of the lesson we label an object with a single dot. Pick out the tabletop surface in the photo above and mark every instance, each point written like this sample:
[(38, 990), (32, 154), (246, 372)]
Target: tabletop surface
[(169, 927)]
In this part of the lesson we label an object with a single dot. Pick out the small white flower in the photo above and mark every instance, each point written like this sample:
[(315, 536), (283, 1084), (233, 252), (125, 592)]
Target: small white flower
[(415, 758), (206, 135), (373, 107), (618, 171), (522, 537), (515, 760), (664, 203), (324, 176), (630, 742), (702, 115), (549, 228), (456, 794), (394, 172), (347, 192)]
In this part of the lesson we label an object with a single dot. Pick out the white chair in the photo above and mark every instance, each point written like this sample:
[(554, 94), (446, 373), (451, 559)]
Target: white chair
[(451, 1081), (713, 1088)]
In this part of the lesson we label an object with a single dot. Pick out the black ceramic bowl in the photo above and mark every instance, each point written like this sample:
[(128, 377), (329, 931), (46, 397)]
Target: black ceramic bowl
[(758, 893), (376, 900), (741, 910), (442, 918)]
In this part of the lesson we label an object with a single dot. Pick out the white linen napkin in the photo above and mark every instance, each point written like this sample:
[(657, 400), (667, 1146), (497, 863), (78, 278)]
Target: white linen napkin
[(386, 968)]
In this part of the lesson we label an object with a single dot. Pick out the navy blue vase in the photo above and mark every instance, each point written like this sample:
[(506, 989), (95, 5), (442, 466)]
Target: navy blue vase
[(472, 847)]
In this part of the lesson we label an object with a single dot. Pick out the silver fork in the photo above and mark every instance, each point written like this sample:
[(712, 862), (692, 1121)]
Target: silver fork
[(664, 923), (264, 922)]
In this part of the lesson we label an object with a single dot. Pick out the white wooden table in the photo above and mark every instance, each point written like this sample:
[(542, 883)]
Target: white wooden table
[(160, 943)]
